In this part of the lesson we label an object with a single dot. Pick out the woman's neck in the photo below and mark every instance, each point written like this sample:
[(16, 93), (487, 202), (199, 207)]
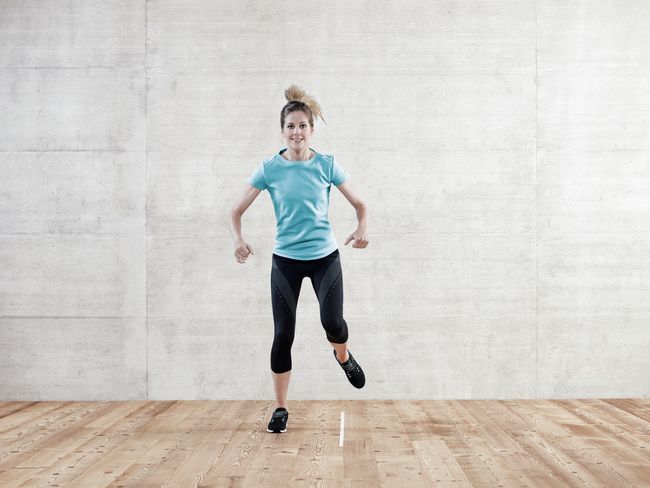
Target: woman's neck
[(293, 156)]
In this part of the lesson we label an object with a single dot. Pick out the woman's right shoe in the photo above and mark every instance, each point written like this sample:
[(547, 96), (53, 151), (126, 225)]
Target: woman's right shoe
[(278, 422), (352, 370)]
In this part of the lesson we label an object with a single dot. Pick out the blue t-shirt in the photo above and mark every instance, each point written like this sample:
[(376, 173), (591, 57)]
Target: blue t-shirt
[(300, 191)]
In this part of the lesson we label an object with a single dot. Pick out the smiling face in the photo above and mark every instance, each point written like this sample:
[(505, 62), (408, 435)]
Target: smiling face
[(297, 131)]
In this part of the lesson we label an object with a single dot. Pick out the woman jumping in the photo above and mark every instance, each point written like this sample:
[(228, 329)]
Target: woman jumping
[(298, 180)]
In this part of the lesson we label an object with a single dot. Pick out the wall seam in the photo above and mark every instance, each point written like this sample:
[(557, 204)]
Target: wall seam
[(146, 200), (537, 393)]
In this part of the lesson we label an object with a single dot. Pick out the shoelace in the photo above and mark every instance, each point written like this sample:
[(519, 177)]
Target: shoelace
[(350, 367)]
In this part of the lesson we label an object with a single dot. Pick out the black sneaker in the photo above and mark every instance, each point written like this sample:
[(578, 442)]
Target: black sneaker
[(352, 370), (278, 422)]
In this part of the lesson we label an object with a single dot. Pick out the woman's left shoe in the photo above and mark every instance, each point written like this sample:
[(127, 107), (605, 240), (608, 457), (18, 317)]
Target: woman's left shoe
[(278, 421), (352, 370)]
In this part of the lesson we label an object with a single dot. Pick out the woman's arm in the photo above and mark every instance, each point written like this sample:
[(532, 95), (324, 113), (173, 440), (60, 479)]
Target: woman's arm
[(360, 235), (242, 249)]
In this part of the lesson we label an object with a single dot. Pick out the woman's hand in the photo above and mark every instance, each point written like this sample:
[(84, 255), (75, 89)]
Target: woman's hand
[(242, 250), (360, 237)]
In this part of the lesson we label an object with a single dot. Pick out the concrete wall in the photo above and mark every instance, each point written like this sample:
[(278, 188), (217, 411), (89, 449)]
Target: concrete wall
[(502, 148)]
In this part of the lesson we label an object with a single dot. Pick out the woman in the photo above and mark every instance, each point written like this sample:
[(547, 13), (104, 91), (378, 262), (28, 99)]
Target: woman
[(298, 180)]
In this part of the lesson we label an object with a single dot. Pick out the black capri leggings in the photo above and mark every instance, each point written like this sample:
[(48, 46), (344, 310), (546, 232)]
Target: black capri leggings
[(286, 277)]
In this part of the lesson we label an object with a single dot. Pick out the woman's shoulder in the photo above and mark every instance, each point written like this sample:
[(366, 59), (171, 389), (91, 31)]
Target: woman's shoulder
[(271, 158), (329, 157)]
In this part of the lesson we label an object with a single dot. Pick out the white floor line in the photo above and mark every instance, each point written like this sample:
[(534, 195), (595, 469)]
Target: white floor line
[(341, 434)]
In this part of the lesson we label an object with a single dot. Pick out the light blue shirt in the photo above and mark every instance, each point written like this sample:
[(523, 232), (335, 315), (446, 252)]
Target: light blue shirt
[(300, 191)]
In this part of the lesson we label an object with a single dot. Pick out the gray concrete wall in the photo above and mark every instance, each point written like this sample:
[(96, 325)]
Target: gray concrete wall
[(502, 147)]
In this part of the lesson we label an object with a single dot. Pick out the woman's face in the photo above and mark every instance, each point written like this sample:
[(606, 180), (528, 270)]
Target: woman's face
[(297, 131)]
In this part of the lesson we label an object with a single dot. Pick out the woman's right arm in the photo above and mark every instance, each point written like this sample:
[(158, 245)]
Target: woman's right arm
[(242, 249)]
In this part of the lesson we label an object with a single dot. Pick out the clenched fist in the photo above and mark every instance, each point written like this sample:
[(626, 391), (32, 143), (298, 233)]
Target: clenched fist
[(242, 251)]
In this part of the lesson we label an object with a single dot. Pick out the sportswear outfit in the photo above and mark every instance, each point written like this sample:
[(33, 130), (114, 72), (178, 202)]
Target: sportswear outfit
[(305, 246)]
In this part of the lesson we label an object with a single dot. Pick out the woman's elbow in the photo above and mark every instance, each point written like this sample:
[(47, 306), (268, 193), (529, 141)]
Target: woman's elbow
[(359, 205)]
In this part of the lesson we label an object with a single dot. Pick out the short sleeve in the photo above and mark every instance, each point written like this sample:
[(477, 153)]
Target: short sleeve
[(257, 178), (339, 175)]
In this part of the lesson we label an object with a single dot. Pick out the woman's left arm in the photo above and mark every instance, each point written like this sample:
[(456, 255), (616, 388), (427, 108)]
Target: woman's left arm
[(360, 235)]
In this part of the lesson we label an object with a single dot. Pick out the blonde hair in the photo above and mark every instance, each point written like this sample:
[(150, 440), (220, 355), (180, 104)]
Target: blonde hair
[(298, 99)]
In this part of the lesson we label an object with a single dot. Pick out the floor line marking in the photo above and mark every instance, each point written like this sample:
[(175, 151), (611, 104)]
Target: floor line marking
[(341, 434)]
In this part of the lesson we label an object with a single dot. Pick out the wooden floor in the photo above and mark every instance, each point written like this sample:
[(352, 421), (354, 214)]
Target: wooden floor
[(536, 443)]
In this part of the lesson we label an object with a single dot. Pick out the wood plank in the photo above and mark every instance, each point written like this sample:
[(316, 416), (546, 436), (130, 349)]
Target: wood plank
[(148, 444), (183, 458), (359, 461), (394, 451), (553, 443), (431, 450), (27, 437), (87, 456), (65, 442), (12, 408), (248, 428), (319, 456)]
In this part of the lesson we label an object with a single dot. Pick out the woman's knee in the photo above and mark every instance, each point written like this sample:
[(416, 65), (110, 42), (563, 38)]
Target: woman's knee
[(336, 329), (283, 337)]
